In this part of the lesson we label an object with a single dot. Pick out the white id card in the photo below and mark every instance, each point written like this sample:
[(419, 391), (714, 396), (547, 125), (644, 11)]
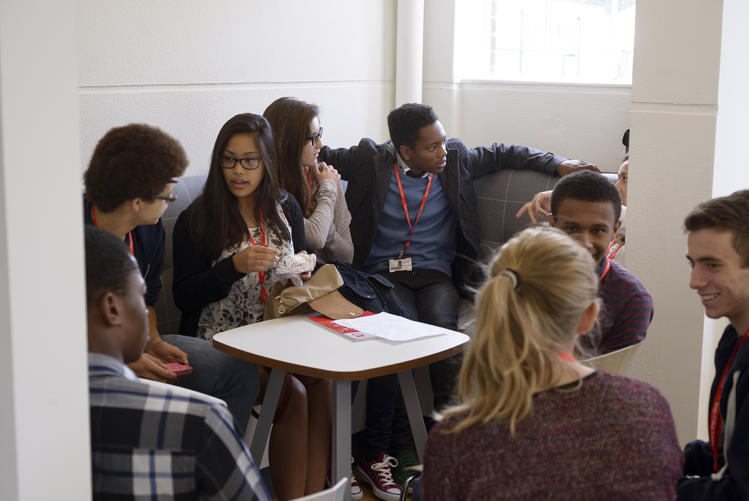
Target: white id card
[(402, 264)]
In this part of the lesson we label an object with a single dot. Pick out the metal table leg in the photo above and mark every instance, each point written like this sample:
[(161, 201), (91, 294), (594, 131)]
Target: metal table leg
[(413, 408), (341, 449), (267, 411)]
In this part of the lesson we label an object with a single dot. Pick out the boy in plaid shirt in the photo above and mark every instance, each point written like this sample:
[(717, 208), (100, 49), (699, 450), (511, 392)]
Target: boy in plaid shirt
[(149, 442)]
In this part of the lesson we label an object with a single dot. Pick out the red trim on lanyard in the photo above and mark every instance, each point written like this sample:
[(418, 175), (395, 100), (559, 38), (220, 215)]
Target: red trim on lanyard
[(605, 270), (129, 233), (612, 255), (260, 274), (716, 420), (566, 356), (412, 227)]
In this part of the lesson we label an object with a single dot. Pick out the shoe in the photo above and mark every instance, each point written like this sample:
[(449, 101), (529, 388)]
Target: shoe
[(406, 459), (356, 492), (378, 475)]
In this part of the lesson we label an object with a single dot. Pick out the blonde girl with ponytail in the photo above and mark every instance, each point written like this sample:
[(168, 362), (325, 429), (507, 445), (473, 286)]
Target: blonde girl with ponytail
[(534, 422)]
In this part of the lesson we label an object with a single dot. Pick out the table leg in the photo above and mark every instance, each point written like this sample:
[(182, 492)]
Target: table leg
[(267, 411), (341, 449), (413, 408)]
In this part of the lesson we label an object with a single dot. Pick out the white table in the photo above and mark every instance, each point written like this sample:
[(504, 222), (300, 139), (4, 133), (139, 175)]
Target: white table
[(300, 346)]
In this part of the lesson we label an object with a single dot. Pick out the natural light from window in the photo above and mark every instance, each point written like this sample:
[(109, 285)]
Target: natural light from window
[(569, 41)]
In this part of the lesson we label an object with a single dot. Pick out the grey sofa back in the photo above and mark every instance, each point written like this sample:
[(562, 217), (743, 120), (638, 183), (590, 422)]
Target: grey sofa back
[(187, 189), (499, 198)]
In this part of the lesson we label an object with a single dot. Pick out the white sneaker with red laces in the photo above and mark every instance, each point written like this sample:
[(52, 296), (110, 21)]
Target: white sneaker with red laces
[(378, 475)]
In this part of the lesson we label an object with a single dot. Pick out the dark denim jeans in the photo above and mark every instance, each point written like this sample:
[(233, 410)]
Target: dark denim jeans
[(431, 297), (220, 375)]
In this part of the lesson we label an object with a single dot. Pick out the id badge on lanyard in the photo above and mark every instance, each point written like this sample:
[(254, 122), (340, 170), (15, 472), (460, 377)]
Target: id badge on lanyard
[(401, 262)]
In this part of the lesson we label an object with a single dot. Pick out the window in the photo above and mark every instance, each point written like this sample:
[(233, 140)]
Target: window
[(587, 41)]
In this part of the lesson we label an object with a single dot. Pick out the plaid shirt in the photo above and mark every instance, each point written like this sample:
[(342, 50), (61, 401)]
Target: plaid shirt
[(150, 443)]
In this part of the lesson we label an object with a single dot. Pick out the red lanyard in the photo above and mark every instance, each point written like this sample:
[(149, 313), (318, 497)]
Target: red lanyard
[(129, 233), (566, 356), (716, 420), (617, 246), (605, 270), (412, 227), (260, 274)]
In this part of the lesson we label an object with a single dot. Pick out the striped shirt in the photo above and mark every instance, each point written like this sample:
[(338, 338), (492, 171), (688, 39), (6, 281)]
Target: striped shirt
[(626, 312), (148, 442)]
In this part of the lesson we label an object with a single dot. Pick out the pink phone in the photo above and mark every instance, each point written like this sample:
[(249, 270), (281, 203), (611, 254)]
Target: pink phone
[(178, 368)]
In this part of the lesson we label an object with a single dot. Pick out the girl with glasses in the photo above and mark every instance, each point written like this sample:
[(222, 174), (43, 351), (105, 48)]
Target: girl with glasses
[(317, 186), (226, 245)]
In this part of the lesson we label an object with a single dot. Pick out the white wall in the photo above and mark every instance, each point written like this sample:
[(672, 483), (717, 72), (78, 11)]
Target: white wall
[(188, 65), (580, 121), (576, 121), (674, 111), (44, 437), (732, 128)]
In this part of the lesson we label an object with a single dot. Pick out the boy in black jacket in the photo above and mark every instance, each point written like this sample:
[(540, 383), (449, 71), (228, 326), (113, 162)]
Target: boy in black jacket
[(718, 252)]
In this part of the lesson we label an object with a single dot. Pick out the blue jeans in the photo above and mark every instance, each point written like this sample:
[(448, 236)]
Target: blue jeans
[(223, 376)]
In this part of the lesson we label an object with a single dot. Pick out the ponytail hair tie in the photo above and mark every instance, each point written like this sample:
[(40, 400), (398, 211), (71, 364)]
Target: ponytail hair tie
[(514, 276)]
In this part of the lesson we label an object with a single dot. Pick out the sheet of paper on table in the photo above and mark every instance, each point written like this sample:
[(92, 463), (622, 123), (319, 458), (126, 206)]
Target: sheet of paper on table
[(392, 327)]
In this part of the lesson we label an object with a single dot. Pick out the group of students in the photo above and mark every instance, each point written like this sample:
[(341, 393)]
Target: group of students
[(273, 190), (550, 427)]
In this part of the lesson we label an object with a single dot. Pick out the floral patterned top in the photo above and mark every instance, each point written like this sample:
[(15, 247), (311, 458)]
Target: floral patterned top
[(242, 306)]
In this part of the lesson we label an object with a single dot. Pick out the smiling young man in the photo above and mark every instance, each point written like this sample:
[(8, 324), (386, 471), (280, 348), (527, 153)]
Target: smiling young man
[(718, 252), (129, 184), (429, 250), (587, 207), (148, 442)]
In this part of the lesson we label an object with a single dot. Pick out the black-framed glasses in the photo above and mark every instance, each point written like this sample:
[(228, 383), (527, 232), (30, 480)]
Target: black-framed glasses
[(246, 163), (315, 137), (168, 199)]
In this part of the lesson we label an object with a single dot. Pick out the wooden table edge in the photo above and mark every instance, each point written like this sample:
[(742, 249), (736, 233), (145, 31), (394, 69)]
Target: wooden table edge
[(338, 375)]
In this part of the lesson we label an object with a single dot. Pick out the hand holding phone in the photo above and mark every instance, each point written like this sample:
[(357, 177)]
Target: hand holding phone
[(179, 369)]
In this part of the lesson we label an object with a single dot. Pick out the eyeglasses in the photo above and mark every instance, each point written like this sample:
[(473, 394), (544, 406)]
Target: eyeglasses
[(168, 200), (315, 137), (246, 163)]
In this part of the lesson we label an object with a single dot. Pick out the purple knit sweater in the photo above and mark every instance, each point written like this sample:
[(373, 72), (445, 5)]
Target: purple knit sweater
[(612, 439)]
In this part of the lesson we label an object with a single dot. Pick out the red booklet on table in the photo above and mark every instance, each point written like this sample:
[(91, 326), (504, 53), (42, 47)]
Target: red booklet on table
[(346, 332)]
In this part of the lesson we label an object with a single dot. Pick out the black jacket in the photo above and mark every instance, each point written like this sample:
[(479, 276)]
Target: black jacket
[(368, 166), (198, 283), (733, 483)]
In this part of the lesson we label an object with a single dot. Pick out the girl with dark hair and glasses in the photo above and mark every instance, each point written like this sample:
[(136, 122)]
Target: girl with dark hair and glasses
[(226, 245), (317, 187)]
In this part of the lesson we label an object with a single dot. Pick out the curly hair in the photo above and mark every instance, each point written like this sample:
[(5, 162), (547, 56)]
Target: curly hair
[(290, 118), (133, 161), (540, 283), (587, 186), (729, 213), (216, 223), (405, 122)]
